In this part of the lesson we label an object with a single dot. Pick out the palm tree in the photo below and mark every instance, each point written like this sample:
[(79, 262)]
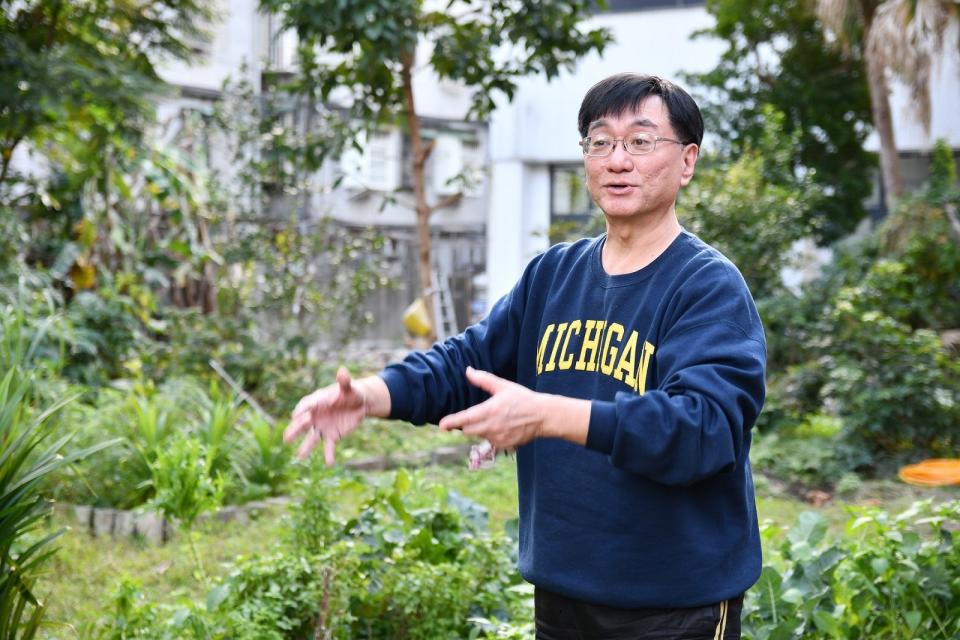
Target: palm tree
[(900, 36)]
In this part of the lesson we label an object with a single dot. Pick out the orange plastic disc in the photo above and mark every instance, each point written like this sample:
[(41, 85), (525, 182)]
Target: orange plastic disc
[(935, 472)]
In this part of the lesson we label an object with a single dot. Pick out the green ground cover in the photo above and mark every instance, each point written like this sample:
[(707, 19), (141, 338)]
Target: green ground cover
[(82, 579)]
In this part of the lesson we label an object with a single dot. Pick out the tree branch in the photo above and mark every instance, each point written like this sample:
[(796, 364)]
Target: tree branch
[(447, 201), (951, 212), (425, 152), (7, 154)]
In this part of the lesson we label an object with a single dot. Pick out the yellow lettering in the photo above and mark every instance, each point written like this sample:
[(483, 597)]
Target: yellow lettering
[(648, 350), (591, 344), (541, 350), (574, 329), (610, 355), (626, 366), (553, 354)]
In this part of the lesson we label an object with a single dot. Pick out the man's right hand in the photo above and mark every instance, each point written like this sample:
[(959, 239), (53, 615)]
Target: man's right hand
[(334, 411)]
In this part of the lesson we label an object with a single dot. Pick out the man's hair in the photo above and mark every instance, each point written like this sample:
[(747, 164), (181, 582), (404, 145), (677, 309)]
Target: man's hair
[(624, 92)]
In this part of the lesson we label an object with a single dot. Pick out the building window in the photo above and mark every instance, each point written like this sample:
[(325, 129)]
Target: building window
[(568, 194), (455, 153), (573, 213)]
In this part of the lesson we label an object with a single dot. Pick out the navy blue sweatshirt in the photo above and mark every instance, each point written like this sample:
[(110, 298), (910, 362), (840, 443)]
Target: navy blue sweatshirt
[(658, 509)]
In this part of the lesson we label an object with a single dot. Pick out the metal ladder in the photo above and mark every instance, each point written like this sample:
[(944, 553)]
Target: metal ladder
[(443, 311)]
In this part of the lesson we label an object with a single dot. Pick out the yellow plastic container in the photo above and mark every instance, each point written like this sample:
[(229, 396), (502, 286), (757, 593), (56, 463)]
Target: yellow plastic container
[(416, 319)]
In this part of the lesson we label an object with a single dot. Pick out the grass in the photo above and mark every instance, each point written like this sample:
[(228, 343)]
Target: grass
[(387, 438), (82, 576)]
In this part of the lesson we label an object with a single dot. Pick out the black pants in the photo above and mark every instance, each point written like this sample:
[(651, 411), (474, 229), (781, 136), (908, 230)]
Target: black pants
[(562, 618)]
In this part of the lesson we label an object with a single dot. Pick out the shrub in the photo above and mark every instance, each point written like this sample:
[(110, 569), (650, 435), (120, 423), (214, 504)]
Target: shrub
[(404, 551), (243, 448), (753, 208), (861, 342), (415, 562), (897, 390), (275, 596), (26, 461), (186, 485), (264, 462), (809, 453), (889, 577)]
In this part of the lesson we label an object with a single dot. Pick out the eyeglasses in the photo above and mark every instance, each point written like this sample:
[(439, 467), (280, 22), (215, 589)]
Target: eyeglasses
[(637, 144)]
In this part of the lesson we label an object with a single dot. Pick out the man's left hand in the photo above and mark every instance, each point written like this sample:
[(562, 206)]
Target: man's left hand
[(511, 417)]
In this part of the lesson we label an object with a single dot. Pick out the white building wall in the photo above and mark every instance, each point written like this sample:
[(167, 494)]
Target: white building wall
[(238, 38), (944, 100)]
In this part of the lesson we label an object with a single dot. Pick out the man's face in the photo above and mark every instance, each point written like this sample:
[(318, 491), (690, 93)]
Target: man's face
[(625, 185)]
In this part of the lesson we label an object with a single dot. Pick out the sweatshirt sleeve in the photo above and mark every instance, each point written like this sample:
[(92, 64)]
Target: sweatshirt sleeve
[(710, 369), (428, 385)]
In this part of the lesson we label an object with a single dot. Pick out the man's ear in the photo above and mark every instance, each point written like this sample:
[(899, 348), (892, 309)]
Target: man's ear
[(689, 159)]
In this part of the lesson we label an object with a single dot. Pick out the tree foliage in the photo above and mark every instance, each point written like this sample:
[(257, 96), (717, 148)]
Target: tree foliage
[(364, 54), (488, 45), (776, 55), (899, 36), (80, 74), (753, 208)]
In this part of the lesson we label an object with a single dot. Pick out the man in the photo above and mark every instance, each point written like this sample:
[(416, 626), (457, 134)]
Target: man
[(627, 371)]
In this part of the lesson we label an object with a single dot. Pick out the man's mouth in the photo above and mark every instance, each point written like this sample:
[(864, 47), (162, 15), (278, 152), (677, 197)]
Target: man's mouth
[(618, 188)]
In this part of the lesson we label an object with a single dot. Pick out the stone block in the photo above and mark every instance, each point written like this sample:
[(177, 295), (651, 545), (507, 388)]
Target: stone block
[(226, 514), (378, 463), (412, 460), (84, 516), (242, 516), (123, 524), (149, 526), (454, 455), (103, 521)]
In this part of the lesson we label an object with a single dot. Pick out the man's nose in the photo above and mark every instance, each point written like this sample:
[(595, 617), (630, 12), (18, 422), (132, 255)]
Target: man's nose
[(619, 159)]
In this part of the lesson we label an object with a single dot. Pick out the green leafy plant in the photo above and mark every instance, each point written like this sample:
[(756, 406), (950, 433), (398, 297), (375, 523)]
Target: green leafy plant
[(265, 465), (220, 413), (134, 616), (888, 577), (373, 576), (897, 390), (275, 596), (403, 550), (26, 462), (752, 208), (184, 485), (808, 454)]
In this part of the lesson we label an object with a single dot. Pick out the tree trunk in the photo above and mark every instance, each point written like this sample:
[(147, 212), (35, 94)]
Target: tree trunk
[(420, 154), (880, 107)]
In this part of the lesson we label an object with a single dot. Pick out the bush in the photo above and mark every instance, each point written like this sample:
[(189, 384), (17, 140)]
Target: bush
[(810, 454), (753, 208), (415, 562), (861, 344), (27, 459), (897, 390), (275, 596), (403, 551), (243, 448), (888, 577)]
